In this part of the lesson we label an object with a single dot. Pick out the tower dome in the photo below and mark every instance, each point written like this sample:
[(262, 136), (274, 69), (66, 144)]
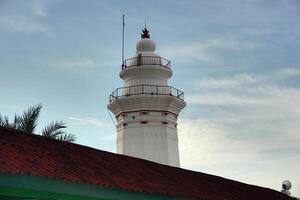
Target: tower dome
[(145, 44), (145, 54)]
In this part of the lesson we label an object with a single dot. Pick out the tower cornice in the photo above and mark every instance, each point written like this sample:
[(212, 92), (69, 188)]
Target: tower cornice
[(147, 102)]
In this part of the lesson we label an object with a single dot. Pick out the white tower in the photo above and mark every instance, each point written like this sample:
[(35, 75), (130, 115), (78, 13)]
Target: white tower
[(146, 108)]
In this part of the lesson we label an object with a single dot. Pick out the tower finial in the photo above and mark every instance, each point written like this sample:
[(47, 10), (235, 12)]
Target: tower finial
[(145, 33)]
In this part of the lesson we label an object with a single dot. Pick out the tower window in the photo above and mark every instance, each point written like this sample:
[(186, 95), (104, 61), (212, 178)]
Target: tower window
[(144, 113)]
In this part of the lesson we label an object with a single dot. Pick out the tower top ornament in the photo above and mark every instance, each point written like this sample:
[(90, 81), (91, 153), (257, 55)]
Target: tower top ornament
[(145, 33)]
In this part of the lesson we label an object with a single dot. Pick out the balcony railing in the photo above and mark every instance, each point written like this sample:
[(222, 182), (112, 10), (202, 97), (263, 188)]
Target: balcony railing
[(145, 89), (146, 60)]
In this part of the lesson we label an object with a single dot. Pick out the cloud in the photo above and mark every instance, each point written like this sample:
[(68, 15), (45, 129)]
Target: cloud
[(280, 152), (23, 25), (88, 121), (221, 99), (244, 80), (255, 31), (234, 81), (39, 8), (288, 72), (240, 143), (24, 17), (89, 127), (266, 91), (205, 143), (189, 52), (77, 66), (110, 136), (204, 50), (263, 100), (213, 145), (249, 119)]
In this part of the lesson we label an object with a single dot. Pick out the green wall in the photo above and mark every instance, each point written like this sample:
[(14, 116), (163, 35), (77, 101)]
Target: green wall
[(25, 187)]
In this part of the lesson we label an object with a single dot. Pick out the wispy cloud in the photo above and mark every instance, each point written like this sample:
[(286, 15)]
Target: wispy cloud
[(209, 147), (77, 66), (255, 31), (88, 121), (256, 123), (26, 18), (39, 8), (288, 72), (237, 80), (280, 152), (204, 50), (188, 53), (203, 142), (241, 89), (111, 136), (269, 98), (23, 25), (93, 128), (221, 99), (255, 114)]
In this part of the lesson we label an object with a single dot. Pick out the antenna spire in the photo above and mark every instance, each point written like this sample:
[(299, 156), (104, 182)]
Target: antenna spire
[(123, 26)]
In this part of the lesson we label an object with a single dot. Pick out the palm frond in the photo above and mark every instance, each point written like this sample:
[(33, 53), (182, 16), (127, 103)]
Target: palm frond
[(4, 121), (54, 129), (67, 137), (16, 123), (29, 118), (27, 122)]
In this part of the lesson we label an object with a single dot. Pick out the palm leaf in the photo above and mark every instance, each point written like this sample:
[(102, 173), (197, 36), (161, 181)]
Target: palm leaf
[(67, 137), (54, 129), (29, 118), (16, 123), (27, 122), (4, 121)]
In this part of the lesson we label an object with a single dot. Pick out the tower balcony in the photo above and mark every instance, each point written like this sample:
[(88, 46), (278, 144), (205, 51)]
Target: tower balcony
[(146, 61), (145, 90)]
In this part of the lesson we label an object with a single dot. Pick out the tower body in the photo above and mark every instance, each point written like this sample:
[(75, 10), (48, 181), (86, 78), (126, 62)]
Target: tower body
[(147, 108)]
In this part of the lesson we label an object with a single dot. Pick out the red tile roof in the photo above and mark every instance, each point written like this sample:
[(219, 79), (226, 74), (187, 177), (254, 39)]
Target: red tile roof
[(34, 155)]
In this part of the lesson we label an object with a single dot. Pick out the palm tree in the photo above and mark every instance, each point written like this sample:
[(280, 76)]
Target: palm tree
[(28, 121)]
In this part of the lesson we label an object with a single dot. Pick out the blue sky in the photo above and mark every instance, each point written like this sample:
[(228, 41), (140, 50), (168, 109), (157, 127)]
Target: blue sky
[(236, 61)]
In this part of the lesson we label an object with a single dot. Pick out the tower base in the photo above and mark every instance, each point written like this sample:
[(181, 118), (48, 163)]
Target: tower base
[(157, 143)]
